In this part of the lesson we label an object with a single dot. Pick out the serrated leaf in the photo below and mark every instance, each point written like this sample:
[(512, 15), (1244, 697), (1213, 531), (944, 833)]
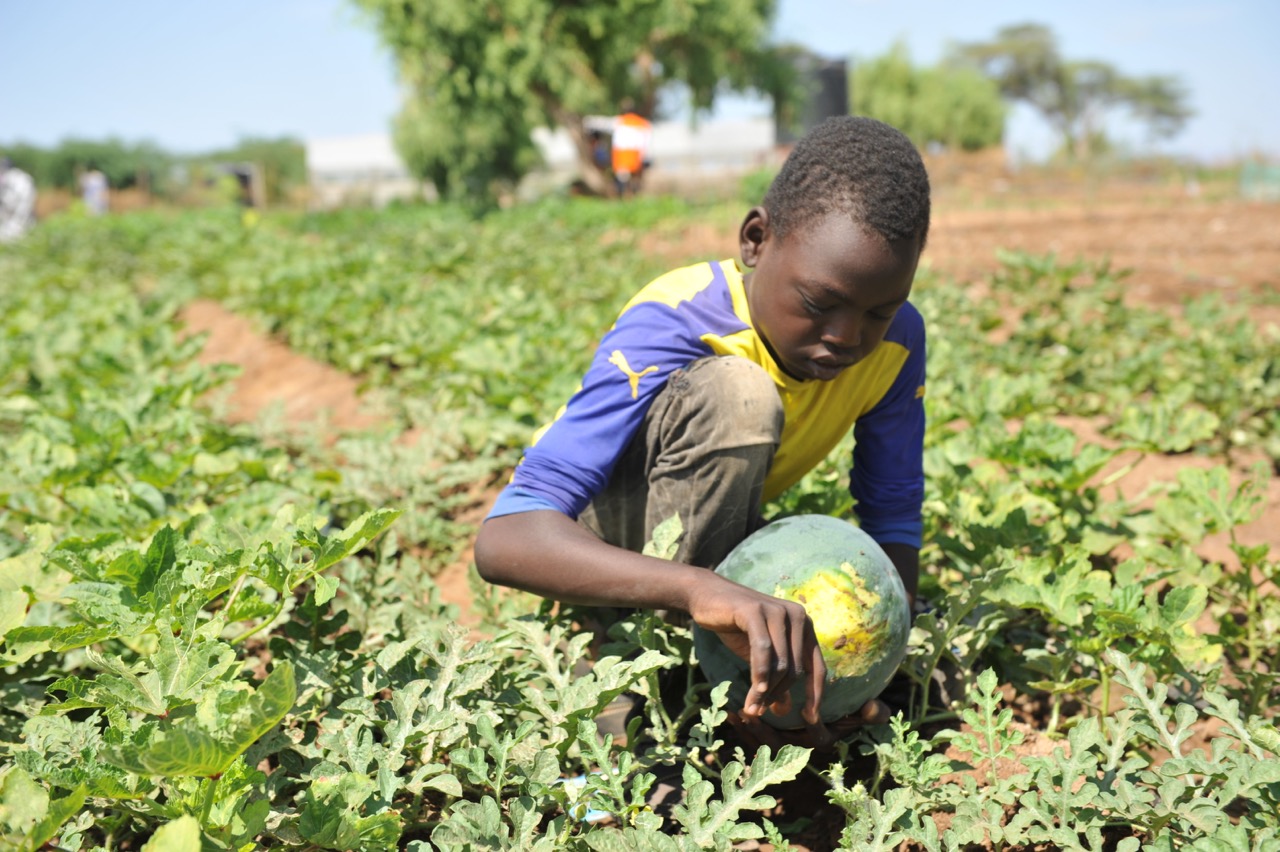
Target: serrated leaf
[(1181, 605), (29, 817), (325, 588), (665, 542), (30, 572), (703, 819), (189, 749), (23, 643), (445, 783), (356, 535), (631, 839), (333, 815), (181, 835), (13, 609)]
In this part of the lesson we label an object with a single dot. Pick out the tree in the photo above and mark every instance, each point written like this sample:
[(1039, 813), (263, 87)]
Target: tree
[(480, 76), (955, 107), (1073, 96)]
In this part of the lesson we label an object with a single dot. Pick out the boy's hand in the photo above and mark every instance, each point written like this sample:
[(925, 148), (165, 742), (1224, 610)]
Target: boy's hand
[(775, 636)]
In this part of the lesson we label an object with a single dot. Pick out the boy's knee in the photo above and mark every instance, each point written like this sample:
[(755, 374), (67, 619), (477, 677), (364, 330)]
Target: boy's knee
[(738, 393)]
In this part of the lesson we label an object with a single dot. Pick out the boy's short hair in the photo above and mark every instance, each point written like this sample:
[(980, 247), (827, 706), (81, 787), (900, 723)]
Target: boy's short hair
[(856, 165)]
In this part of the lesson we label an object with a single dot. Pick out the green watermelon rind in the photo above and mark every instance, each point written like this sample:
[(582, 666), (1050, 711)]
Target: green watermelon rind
[(766, 562)]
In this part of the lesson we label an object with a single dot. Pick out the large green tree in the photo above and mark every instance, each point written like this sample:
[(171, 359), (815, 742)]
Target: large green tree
[(481, 75), (956, 107), (1074, 96)]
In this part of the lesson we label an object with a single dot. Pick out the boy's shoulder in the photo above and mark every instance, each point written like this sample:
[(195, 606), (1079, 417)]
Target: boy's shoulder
[(684, 284), (691, 304)]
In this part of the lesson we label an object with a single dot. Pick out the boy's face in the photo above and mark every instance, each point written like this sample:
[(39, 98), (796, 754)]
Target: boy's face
[(824, 296)]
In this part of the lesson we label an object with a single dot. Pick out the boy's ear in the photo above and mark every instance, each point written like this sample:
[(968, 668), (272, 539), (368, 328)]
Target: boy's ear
[(752, 235)]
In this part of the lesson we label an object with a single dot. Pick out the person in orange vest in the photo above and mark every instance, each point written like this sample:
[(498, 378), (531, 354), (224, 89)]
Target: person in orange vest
[(630, 149)]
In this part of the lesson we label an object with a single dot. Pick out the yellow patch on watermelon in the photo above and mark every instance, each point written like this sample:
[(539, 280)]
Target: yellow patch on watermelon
[(842, 608)]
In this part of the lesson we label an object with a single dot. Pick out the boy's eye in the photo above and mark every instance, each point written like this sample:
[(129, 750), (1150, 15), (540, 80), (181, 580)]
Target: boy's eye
[(812, 306), (882, 317)]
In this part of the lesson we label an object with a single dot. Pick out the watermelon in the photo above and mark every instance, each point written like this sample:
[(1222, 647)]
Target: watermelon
[(852, 593)]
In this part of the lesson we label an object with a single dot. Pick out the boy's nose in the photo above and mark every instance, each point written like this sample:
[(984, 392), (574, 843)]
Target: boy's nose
[(843, 333)]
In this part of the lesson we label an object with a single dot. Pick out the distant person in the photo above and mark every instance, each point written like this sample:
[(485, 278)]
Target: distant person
[(599, 143), (94, 191), (630, 149), (17, 201)]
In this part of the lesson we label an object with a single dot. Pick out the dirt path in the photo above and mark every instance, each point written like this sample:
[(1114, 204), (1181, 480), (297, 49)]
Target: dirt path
[(273, 376), (1175, 249)]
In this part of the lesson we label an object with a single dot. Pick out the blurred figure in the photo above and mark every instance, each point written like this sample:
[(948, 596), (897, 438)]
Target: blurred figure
[(599, 149), (630, 149), (94, 191), (17, 201)]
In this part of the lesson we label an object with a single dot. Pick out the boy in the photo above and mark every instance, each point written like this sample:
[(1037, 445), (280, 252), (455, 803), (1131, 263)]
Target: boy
[(718, 388)]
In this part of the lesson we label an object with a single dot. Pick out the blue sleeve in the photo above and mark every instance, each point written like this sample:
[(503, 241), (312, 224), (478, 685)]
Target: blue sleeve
[(513, 500), (887, 479), (573, 459)]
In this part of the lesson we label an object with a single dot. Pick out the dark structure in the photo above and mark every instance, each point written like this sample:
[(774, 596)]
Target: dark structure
[(826, 84)]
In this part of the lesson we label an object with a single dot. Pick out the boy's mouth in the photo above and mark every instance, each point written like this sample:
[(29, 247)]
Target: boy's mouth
[(826, 369)]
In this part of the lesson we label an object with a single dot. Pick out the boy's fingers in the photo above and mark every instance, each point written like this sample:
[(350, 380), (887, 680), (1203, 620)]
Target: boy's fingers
[(773, 669), (874, 712), (763, 668), (755, 732), (781, 674), (820, 735), (816, 681)]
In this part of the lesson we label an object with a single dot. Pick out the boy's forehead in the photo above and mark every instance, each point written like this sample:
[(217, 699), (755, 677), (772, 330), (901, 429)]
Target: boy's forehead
[(832, 231)]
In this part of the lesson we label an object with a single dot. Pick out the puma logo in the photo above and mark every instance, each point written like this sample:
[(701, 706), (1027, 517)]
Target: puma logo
[(619, 360)]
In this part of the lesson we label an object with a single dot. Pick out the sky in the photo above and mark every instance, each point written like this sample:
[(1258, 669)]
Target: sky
[(198, 75)]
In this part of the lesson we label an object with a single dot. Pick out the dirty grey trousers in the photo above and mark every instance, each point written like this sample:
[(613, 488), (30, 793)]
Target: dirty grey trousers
[(702, 452)]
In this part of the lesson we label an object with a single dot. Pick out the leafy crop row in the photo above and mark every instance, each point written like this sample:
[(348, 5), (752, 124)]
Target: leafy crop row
[(213, 636)]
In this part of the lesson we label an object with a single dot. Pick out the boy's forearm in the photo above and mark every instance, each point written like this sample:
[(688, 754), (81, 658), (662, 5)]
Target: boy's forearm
[(547, 553)]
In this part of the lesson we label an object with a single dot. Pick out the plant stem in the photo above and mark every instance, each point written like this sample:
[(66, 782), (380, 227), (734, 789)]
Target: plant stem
[(1106, 691), (261, 625), (1122, 472), (206, 807), (941, 716)]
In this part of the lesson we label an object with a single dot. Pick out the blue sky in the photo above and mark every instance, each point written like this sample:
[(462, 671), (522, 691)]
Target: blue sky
[(192, 76)]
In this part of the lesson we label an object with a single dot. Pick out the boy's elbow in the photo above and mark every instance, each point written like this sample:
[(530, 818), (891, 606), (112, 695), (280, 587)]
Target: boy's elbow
[(487, 555), (484, 555)]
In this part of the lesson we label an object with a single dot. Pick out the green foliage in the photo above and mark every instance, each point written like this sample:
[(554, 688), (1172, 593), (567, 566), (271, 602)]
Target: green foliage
[(229, 636), (954, 107), (125, 164)]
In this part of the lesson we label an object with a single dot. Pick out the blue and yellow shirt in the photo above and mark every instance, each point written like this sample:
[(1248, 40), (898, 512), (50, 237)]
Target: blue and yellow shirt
[(701, 310)]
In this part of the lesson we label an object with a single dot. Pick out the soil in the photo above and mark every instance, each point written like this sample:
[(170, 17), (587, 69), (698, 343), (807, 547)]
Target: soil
[(273, 378), (1178, 241)]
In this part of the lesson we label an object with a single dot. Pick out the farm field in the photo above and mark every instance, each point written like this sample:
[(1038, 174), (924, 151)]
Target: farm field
[(243, 464), (1174, 249)]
